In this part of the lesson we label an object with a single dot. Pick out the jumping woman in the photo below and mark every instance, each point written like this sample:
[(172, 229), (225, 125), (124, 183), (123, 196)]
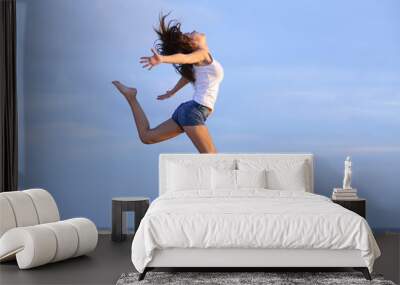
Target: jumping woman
[(191, 58)]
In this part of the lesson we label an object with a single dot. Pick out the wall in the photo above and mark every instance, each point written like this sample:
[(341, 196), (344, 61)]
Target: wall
[(300, 76)]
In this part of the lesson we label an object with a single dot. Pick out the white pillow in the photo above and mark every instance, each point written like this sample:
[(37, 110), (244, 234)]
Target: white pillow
[(183, 177), (281, 174), (251, 178), (230, 179), (288, 178), (223, 179)]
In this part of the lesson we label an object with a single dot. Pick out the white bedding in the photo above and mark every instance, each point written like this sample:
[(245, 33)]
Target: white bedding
[(250, 218)]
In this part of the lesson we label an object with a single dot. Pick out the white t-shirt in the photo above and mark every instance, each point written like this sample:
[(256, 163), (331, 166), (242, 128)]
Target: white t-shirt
[(208, 78)]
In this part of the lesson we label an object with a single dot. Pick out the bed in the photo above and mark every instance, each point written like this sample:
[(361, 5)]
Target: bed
[(245, 211)]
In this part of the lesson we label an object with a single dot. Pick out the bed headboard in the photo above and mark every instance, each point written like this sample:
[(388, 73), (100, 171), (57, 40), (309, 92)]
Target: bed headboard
[(213, 158)]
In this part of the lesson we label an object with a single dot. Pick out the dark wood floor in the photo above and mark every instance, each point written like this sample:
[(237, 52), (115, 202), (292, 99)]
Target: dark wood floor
[(110, 260), (103, 266)]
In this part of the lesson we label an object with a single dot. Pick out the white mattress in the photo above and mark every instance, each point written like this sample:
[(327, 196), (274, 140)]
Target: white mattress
[(251, 219)]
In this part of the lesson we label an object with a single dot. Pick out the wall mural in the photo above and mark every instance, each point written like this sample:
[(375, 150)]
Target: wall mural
[(288, 76)]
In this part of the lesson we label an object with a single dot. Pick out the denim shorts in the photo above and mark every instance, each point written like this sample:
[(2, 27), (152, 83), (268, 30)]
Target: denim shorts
[(190, 113)]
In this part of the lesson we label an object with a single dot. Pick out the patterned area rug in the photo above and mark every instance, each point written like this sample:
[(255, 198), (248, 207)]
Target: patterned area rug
[(243, 278)]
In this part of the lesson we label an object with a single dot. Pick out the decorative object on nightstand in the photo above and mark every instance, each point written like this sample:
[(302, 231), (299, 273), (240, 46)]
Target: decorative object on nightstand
[(121, 205), (347, 192), (358, 205), (347, 196), (344, 194), (347, 174)]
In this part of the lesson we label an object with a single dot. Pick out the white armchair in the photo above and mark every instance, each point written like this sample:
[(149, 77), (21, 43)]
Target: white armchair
[(31, 230)]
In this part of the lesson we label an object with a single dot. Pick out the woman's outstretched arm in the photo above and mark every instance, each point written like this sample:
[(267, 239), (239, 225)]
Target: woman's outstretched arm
[(178, 58), (178, 86)]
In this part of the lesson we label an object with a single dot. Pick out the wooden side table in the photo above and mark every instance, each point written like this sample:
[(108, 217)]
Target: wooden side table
[(121, 205), (358, 206)]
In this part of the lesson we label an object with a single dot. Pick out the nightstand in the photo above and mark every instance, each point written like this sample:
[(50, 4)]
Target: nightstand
[(358, 206), (121, 205)]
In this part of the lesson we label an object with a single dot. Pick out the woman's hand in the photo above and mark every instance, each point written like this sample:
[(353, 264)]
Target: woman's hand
[(178, 86), (150, 61), (167, 94)]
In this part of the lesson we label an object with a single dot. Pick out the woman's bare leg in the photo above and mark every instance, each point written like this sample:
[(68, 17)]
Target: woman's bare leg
[(147, 135), (201, 138)]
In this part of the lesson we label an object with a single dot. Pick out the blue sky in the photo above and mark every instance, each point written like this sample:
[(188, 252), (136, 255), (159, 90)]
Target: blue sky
[(300, 76)]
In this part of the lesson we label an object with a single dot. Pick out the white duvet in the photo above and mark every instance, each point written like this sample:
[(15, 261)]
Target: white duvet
[(250, 218)]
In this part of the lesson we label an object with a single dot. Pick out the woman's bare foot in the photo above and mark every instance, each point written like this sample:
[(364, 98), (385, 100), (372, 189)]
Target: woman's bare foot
[(128, 92)]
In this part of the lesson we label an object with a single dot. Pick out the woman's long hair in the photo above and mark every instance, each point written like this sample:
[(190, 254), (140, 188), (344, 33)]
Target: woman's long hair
[(171, 40)]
